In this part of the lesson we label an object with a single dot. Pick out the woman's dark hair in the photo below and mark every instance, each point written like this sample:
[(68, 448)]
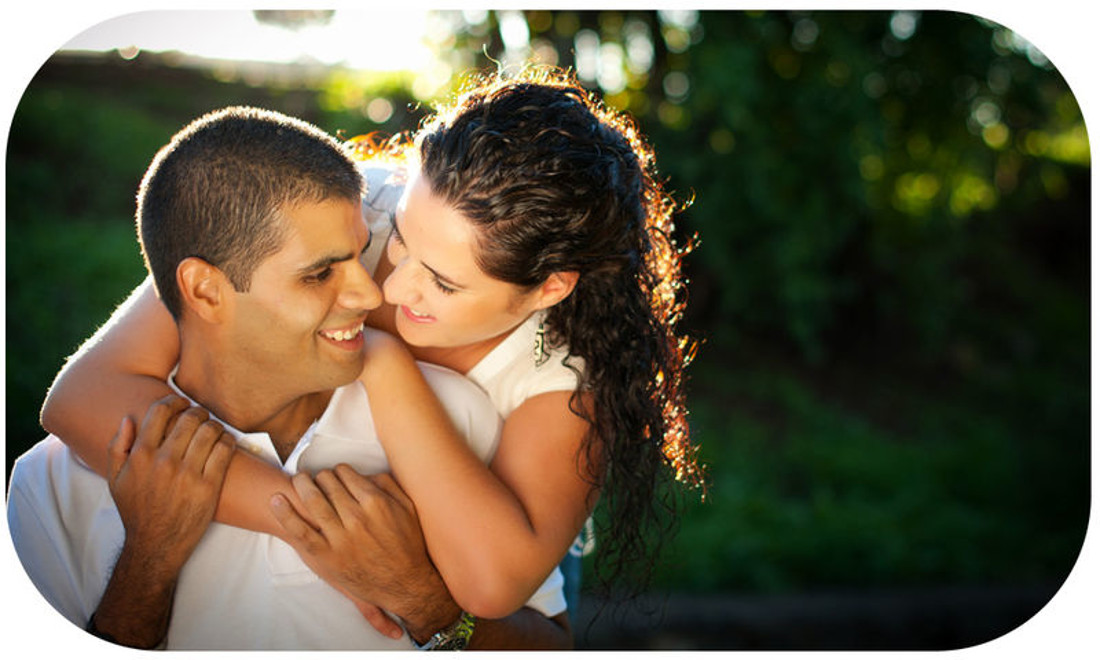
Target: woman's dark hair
[(552, 181)]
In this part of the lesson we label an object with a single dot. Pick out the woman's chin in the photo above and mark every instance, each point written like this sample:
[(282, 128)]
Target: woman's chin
[(412, 334)]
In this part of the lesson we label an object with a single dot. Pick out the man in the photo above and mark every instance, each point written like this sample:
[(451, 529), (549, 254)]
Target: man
[(251, 229)]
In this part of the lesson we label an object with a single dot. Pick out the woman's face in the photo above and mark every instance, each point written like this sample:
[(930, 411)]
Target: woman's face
[(442, 298)]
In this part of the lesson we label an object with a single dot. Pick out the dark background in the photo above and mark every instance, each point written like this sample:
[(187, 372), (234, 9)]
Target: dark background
[(891, 291)]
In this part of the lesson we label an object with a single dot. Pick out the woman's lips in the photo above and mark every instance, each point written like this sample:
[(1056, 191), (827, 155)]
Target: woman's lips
[(415, 317)]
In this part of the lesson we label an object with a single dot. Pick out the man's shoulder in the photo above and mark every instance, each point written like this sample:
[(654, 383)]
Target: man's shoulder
[(64, 527), (456, 390), (468, 406), (50, 474), (41, 462)]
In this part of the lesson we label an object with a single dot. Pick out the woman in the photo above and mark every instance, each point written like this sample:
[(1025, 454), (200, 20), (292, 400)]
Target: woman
[(531, 250)]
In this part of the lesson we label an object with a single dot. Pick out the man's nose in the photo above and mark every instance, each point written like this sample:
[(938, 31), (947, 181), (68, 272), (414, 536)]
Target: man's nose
[(360, 291)]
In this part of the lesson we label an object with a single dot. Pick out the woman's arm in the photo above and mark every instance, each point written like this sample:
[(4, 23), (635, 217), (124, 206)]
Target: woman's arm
[(121, 371), (494, 533)]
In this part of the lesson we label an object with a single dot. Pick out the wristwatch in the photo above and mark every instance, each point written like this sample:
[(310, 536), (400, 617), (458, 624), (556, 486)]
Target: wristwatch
[(454, 637)]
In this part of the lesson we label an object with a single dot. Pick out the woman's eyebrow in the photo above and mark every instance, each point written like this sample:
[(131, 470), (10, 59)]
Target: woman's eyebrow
[(443, 278)]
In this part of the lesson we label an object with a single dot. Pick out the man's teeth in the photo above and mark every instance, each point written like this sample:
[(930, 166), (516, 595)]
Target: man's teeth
[(344, 335)]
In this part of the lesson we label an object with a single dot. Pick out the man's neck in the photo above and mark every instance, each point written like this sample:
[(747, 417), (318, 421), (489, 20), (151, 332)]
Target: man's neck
[(252, 409)]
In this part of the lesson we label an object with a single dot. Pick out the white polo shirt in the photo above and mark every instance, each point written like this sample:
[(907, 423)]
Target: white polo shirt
[(240, 589)]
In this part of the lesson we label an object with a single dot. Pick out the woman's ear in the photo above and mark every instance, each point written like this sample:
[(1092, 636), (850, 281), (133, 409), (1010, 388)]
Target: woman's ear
[(202, 288), (557, 288)]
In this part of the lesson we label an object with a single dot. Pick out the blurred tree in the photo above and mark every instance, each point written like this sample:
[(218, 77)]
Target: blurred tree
[(293, 19), (853, 162)]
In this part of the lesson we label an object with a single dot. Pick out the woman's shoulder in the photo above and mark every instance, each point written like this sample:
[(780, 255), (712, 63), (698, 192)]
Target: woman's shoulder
[(513, 372)]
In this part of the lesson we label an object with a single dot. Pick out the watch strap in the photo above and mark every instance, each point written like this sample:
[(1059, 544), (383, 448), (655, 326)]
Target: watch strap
[(454, 637)]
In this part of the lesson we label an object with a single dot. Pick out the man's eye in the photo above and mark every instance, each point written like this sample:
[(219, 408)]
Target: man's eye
[(319, 276)]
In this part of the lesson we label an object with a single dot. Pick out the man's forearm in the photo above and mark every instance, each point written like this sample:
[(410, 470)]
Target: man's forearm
[(527, 629), (137, 604)]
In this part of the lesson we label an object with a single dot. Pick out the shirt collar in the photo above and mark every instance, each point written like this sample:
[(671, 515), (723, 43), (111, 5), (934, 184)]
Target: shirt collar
[(345, 422), (258, 443)]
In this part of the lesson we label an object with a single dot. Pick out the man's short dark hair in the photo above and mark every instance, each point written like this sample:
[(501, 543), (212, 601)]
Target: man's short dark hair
[(217, 189)]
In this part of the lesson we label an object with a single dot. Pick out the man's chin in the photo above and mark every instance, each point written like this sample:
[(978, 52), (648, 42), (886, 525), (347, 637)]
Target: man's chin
[(346, 371)]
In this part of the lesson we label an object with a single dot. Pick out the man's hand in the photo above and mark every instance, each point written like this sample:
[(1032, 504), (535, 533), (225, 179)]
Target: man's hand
[(166, 484), (368, 544)]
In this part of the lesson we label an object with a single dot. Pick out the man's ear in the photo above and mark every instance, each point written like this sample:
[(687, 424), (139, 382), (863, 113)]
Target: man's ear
[(557, 288), (202, 288)]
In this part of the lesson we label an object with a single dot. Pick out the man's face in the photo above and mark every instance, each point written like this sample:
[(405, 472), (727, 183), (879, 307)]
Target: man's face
[(299, 326)]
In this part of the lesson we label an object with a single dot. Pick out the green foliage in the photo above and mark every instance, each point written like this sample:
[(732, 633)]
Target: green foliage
[(75, 159), (848, 175), (68, 125)]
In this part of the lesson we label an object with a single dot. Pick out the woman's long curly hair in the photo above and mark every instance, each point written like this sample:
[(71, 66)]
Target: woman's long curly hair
[(553, 180)]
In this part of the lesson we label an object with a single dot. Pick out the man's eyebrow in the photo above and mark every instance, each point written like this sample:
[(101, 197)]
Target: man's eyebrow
[(325, 262)]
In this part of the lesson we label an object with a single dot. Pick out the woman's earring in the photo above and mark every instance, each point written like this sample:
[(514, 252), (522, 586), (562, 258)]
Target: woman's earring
[(541, 354)]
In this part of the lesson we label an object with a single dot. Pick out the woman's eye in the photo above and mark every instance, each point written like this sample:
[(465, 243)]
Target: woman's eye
[(395, 235), (443, 287), (395, 246)]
